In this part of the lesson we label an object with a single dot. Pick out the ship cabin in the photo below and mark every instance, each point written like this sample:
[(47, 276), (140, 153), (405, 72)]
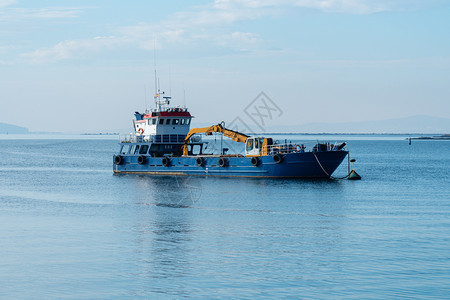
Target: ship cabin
[(163, 132)]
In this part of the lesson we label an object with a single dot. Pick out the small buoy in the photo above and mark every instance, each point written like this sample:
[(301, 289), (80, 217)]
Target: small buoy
[(409, 140), (353, 175)]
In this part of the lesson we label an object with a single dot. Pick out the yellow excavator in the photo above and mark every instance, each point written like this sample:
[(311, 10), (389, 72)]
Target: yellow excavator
[(255, 146)]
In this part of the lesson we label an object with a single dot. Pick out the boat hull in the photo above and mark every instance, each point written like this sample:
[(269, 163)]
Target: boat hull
[(292, 165)]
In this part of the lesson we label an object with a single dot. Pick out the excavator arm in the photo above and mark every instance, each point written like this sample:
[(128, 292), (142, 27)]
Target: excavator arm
[(234, 135)]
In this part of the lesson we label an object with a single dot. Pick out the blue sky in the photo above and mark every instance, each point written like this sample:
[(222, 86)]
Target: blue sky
[(76, 66)]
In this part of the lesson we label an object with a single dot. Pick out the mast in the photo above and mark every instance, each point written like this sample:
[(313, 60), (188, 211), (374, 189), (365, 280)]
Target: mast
[(166, 99), (156, 97)]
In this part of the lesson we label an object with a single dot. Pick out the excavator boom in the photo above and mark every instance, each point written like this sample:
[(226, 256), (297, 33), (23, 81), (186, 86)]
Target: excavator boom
[(234, 135)]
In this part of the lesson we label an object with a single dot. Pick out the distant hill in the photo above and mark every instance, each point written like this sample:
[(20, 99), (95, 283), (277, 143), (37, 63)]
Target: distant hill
[(414, 124), (13, 129)]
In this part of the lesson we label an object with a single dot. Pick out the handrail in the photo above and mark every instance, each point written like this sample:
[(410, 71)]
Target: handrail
[(299, 148), (285, 148), (157, 138)]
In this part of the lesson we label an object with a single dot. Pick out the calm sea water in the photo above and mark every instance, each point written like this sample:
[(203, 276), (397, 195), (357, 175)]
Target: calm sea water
[(71, 229)]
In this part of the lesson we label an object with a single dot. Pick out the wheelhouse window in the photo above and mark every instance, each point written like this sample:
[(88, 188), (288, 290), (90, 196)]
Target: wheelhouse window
[(188, 121), (125, 149), (161, 121), (182, 121), (144, 149), (136, 150), (153, 121), (168, 122), (175, 121)]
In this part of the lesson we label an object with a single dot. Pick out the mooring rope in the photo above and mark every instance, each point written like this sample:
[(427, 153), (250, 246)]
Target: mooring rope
[(320, 165)]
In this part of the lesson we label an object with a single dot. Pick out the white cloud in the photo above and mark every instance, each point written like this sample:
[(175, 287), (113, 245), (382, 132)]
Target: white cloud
[(4, 3), (4, 49), (332, 6), (208, 24), (344, 6), (56, 12), (14, 14), (239, 38), (72, 49)]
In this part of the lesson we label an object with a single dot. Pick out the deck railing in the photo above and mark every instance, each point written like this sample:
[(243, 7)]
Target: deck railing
[(299, 148), (157, 138)]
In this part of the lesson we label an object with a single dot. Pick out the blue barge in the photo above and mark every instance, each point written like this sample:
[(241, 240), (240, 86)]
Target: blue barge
[(163, 144)]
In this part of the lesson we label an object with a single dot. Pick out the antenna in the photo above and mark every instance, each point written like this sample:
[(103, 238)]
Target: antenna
[(145, 96), (166, 99), (170, 81), (156, 78)]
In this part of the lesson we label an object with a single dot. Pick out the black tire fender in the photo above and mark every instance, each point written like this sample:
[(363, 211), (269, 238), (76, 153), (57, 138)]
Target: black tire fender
[(118, 159), (255, 161), (166, 161), (278, 158), (199, 161), (142, 159), (223, 162)]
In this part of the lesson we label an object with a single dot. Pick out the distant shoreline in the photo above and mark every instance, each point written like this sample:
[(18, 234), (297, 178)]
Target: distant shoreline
[(439, 137), (107, 133)]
